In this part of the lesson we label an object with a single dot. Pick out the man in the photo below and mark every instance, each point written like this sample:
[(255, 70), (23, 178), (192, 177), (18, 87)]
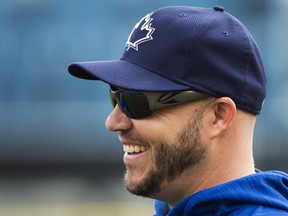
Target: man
[(186, 93)]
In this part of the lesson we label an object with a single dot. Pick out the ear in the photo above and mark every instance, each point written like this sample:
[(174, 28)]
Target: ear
[(224, 111)]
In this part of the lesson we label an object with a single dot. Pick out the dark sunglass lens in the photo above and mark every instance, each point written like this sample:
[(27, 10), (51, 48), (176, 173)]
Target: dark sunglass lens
[(136, 104), (112, 100)]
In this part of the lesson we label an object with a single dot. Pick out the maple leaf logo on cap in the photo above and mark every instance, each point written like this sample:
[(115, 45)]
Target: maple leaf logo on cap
[(142, 32)]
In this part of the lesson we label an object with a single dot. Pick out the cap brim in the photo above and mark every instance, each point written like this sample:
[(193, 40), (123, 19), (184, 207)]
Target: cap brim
[(123, 74)]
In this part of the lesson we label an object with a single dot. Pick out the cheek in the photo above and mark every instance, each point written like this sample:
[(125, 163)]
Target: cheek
[(155, 134), (205, 130), (160, 128)]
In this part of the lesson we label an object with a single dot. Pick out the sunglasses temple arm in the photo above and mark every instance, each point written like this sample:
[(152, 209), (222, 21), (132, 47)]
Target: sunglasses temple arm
[(172, 99)]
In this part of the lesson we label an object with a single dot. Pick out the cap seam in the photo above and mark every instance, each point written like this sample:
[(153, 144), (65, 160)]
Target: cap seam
[(190, 43), (246, 57)]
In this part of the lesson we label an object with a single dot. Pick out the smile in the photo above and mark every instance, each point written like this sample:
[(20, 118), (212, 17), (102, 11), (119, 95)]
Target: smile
[(134, 149)]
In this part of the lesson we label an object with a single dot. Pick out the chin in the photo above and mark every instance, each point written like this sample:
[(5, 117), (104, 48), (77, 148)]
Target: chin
[(145, 185)]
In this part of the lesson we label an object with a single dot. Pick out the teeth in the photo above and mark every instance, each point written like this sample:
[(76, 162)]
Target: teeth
[(134, 149), (137, 149)]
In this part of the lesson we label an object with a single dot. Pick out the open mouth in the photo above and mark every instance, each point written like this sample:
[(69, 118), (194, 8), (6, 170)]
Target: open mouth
[(134, 149)]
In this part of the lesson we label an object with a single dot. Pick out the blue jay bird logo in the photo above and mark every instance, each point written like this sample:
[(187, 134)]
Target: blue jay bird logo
[(141, 33)]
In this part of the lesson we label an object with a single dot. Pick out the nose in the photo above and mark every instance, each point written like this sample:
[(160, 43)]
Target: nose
[(118, 121)]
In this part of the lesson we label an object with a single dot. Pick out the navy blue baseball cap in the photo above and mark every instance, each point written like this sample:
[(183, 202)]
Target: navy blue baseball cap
[(179, 48)]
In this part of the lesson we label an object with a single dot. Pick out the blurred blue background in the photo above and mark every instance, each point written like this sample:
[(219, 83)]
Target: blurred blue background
[(52, 124)]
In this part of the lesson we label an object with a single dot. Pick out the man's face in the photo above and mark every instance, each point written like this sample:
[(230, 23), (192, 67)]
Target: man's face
[(159, 148)]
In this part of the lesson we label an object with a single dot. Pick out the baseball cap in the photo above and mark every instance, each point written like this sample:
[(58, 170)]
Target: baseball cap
[(178, 48)]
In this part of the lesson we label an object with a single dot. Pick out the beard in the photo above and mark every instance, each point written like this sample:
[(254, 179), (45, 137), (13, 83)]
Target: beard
[(170, 160)]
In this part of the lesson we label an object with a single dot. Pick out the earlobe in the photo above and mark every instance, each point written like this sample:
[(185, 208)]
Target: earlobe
[(224, 111)]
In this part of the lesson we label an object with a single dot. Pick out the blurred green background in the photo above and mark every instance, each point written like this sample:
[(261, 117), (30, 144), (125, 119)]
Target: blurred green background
[(56, 157)]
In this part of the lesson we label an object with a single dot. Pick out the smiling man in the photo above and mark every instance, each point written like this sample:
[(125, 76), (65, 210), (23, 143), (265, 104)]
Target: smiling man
[(186, 93)]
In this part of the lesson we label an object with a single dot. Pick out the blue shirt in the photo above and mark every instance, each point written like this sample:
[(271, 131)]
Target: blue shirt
[(260, 194)]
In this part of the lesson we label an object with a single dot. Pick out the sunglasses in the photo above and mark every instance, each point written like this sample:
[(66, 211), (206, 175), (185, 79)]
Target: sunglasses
[(140, 104)]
